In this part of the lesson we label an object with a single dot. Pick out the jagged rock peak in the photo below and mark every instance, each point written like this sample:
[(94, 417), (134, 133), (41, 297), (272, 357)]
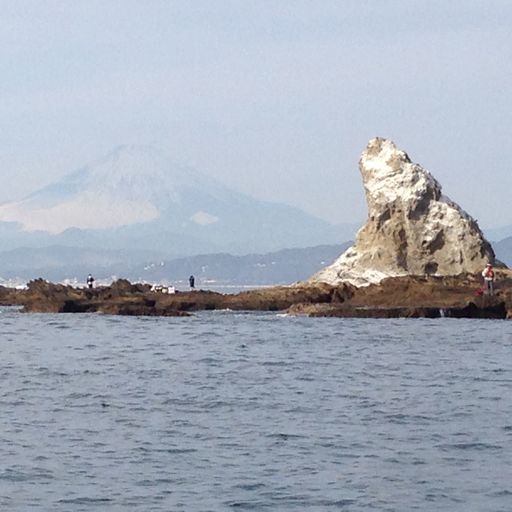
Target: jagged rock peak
[(412, 228)]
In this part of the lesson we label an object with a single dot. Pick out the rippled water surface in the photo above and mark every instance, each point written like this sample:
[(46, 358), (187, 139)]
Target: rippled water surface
[(226, 411)]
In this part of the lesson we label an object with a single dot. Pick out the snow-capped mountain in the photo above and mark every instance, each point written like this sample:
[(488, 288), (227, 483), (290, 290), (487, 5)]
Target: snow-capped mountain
[(133, 184), (136, 197)]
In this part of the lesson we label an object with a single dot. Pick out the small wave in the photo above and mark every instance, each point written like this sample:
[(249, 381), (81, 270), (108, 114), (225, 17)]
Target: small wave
[(275, 363), (471, 446), (250, 487), (248, 505), (284, 436), (401, 418), (209, 360), (77, 395), (12, 475), (505, 493), (154, 483), (172, 451), (178, 451), (84, 501), (335, 503)]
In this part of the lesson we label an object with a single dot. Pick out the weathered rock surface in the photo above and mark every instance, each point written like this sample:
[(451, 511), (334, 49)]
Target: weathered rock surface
[(412, 228)]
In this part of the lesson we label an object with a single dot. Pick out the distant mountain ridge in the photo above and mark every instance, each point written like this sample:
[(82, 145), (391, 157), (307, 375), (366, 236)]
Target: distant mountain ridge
[(503, 250), (498, 234), (58, 263), (64, 263), (137, 198), (282, 267), (130, 185)]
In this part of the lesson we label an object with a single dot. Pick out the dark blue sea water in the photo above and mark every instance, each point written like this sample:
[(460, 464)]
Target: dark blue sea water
[(226, 411)]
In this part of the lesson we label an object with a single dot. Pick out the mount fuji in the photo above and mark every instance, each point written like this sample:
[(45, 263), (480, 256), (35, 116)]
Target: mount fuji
[(136, 198)]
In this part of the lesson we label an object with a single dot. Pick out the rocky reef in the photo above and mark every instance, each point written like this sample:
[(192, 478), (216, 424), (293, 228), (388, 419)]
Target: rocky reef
[(125, 298), (420, 297), (406, 296), (412, 228)]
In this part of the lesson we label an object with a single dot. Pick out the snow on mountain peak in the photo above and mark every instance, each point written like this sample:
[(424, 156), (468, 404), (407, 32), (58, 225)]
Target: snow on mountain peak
[(131, 184), (157, 205), (138, 172)]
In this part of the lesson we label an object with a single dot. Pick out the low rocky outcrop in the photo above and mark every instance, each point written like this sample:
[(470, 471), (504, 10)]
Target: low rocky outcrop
[(121, 298), (283, 297), (496, 310), (406, 296), (420, 297), (412, 228), (124, 298)]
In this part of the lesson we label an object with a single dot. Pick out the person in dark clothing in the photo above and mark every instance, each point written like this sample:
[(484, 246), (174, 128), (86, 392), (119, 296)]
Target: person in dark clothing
[(192, 282), (90, 281)]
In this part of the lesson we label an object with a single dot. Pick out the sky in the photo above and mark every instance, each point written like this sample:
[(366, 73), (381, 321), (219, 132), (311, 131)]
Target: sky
[(276, 98)]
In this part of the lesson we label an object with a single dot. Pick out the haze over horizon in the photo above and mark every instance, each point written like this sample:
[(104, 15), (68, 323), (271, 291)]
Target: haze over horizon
[(275, 99)]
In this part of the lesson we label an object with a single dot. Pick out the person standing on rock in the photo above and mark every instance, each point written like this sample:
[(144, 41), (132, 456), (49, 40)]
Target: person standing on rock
[(90, 281), (488, 275), (192, 282)]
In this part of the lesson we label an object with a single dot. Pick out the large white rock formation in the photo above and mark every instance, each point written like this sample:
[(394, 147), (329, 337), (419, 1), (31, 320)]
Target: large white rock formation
[(412, 229)]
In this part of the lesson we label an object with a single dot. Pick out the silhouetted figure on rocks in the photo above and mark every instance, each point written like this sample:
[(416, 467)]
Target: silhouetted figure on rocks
[(90, 281), (192, 282)]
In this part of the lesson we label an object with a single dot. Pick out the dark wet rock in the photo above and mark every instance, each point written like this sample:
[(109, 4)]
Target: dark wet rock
[(8, 296), (44, 297), (123, 287), (121, 298), (471, 310), (283, 297), (421, 297)]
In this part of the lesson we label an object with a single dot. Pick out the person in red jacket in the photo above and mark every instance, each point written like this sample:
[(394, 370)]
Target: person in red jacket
[(488, 275)]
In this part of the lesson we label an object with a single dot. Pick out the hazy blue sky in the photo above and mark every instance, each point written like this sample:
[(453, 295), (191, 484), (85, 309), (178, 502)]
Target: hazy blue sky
[(274, 97)]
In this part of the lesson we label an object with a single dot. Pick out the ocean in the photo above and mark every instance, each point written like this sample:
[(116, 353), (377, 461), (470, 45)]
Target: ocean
[(231, 411)]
